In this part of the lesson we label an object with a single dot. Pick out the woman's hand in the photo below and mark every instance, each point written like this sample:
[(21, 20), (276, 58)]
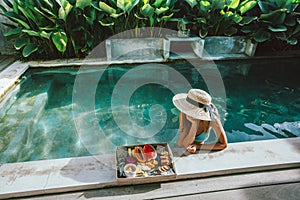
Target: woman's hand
[(191, 148)]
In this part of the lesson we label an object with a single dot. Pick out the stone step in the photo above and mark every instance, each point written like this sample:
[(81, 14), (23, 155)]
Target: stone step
[(16, 129), (22, 129)]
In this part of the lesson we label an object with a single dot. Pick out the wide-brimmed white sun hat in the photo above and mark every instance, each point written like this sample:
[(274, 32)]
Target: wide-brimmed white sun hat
[(196, 103)]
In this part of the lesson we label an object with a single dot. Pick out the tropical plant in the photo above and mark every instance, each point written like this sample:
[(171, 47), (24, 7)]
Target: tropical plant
[(216, 17), (117, 15), (156, 13), (124, 15), (52, 28), (275, 20)]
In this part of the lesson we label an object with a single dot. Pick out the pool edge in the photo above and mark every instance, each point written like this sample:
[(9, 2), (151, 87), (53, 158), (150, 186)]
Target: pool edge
[(95, 172)]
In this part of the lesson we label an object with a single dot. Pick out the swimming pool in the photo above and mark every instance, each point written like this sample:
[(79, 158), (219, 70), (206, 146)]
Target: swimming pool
[(38, 119)]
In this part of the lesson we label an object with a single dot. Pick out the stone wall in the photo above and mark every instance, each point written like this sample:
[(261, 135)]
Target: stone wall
[(6, 47)]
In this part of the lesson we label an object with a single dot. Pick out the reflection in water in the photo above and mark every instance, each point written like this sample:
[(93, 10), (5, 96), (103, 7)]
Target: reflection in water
[(36, 121)]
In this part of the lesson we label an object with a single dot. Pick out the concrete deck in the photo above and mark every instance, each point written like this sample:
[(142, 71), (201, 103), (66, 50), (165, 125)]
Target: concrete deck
[(85, 173), (278, 184)]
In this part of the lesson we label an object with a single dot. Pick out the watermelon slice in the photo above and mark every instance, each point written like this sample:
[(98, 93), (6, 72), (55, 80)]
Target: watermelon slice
[(149, 152)]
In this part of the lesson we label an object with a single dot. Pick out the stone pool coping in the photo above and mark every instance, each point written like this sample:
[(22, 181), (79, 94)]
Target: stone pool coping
[(94, 172)]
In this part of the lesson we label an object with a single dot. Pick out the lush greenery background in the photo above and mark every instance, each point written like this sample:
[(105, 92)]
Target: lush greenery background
[(48, 29)]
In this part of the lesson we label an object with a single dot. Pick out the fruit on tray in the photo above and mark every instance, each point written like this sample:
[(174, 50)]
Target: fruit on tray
[(150, 160), (164, 160), (130, 159), (164, 168), (151, 164), (149, 152), (144, 154), (139, 154)]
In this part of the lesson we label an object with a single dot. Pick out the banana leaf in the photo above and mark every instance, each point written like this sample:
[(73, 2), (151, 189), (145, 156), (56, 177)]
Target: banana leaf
[(29, 49), (21, 42), (60, 40)]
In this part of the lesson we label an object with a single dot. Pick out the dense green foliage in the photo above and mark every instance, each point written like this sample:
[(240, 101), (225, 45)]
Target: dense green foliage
[(124, 15), (53, 28), (72, 28), (216, 17), (275, 19)]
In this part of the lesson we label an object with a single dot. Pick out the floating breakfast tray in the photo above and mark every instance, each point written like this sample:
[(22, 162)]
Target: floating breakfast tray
[(145, 163)]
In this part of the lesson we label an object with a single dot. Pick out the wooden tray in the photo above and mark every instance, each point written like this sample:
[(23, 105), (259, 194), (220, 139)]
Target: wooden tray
[(152, 170)]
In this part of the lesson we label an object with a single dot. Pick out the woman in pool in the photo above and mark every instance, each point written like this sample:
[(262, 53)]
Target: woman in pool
[(198, 115)]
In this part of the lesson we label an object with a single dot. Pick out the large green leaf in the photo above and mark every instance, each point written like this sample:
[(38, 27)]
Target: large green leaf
[(27, 13), (218, 4), (106, 8), (161, 10), (262, 36), (247, 20), (248, 6), (147, 10), (290, 21), (285, 3), (166, 17), (64, 10), (31, 33), (21, 42), (127, 5), (230, 31), (83, 3), (205, 6), (203, 33), (279, 28), (292, 41), (234, 17), (106, 23), (59, 2), (17, 19), (44, 34), (60, 40), (234, 4), (49, 12), (247, 29), (276, 16), (49, 3), (152, 21), (12, 32), (264, 6), (29, 49), (158, 3), (192, 3), (116, 15), (51, 17)]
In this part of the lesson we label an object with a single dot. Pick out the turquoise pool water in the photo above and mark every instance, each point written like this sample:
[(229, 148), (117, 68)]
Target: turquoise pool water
[(38, 120)]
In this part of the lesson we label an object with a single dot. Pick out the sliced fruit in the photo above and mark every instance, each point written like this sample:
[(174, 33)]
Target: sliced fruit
[(149, 152)]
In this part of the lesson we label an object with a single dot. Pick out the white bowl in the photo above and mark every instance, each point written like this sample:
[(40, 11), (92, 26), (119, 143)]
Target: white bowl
[(130, 170)]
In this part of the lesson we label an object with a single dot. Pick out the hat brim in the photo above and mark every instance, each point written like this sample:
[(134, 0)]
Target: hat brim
[(180, 102)]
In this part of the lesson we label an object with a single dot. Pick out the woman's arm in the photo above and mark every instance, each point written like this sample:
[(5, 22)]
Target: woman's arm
[(220, 134)]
